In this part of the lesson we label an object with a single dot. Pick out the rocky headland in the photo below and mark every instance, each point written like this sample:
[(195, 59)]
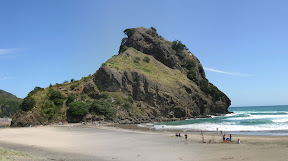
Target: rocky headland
[(151, 79)]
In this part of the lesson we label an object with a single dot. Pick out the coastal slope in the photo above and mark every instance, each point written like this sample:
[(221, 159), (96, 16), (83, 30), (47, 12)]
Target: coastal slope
[(9, 104), (151, 79)]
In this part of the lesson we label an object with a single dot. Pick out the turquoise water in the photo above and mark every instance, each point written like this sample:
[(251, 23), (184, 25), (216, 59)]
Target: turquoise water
[(257, 120)]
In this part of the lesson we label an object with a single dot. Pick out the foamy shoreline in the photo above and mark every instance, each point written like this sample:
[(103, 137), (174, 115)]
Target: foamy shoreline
[(113, 143)]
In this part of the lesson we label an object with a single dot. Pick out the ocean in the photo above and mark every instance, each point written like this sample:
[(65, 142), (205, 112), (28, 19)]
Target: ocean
[(257, 120)]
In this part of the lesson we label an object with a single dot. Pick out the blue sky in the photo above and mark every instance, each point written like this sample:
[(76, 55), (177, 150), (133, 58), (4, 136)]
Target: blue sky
[(241, 44)]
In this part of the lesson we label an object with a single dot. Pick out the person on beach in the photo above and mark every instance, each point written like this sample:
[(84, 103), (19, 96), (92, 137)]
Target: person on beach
[(203, 139), (230, 137), (238, 142), (186, 136), (227, 139), (224, 138)]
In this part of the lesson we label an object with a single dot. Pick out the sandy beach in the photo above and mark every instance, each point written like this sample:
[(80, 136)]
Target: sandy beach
[(113, 143)]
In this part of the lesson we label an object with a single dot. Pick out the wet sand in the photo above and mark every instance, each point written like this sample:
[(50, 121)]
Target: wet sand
[(114, 143)]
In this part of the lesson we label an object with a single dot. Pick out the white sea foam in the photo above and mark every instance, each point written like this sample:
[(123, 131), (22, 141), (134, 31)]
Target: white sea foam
[(281, 120), (224, 127), (258, 117)]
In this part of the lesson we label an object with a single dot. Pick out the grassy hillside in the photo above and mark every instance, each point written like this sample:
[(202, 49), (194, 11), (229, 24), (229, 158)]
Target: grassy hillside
[(133, 60), (9, 104)]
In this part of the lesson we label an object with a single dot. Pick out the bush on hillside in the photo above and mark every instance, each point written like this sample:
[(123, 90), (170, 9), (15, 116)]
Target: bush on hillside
[(35, 90), (105, 95), (129, 32), (122, 49), (28, 103), (178, 46), (76, 111), (191, 75), (146, 59), (49, 109), (190, 64), (153, 29), (102, 107), (56, 97), (137, 59), (181, 56), (70, 99)]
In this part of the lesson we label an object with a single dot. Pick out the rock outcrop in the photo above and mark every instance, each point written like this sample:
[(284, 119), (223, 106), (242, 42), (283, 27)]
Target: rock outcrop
[(151, 79)]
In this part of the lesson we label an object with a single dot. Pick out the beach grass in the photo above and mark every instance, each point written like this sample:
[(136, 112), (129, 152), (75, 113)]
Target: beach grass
[(8, 154)]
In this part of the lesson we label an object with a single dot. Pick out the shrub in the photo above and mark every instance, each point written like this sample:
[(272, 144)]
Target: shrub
[(129, 32), (146, 59), (136, 60), (127, 105), (122, 49), (56, 97), (73, 86), (35, 90), (204, 86), (178, 46), (181, 56), (72, 80), (130, 99), (190, 64), (105, 95), (102, 107), (70, 99), (84, 97), (49, 109), (153, 29), (191, 75), (77, 110), (28, 103)]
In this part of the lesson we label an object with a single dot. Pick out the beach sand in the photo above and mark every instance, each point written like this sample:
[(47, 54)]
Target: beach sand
[(117, 144)]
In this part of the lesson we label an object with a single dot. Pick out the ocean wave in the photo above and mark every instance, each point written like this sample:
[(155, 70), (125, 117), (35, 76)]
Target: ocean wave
[(223, 127), (281, 120), (258, 117)]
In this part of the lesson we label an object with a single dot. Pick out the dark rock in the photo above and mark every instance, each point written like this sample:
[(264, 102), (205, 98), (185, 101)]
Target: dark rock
[(91, 90), (25, 119)]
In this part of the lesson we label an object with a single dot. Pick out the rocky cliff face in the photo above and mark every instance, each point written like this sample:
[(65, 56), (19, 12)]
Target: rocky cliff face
[(174, 95), (150, 80)]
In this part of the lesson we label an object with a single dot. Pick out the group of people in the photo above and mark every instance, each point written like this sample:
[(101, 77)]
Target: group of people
[(179, 135), (229, 138), (204, 141), (224, 138)]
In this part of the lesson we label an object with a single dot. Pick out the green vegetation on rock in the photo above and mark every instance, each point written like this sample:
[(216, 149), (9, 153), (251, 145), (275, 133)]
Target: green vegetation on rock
[(9, 104), (178, 46), (154, 70)]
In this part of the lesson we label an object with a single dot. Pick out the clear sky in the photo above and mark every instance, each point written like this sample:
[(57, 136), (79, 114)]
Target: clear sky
[(243, 45)]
